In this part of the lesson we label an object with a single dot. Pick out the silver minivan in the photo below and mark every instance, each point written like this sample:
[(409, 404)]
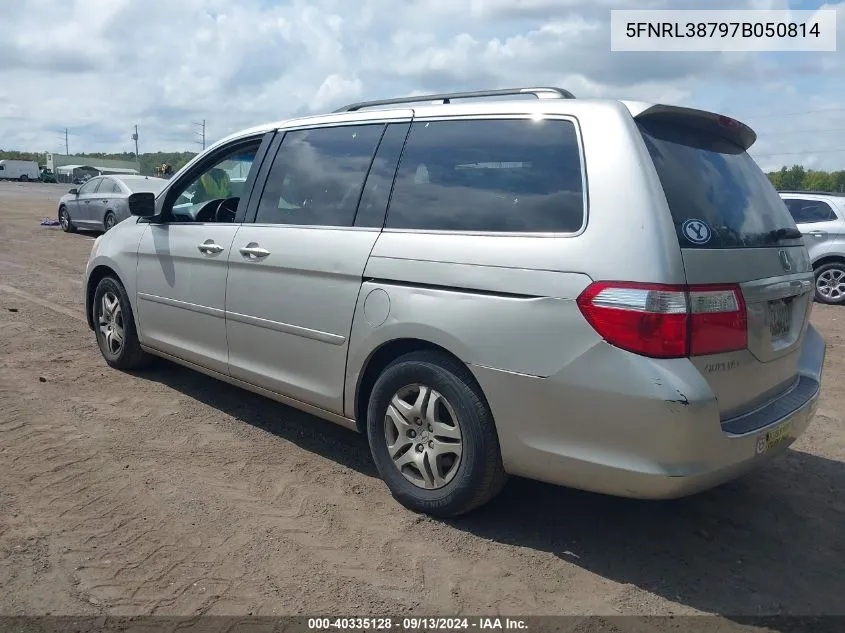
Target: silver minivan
[(607, 295)]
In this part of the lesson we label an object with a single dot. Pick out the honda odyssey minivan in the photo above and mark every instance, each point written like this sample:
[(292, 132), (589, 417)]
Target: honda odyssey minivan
[(607, 295)]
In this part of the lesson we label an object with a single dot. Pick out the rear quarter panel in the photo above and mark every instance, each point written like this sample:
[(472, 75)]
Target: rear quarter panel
[(507, 301)]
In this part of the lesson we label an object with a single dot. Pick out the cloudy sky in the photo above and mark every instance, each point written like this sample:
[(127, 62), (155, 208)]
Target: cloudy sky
[(99, 67)]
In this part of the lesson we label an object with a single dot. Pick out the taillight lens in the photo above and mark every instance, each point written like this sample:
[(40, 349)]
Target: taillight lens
[(663, 321), (719, 321)]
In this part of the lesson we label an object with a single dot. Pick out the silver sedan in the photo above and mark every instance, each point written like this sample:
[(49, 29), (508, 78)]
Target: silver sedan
[(101, 202)]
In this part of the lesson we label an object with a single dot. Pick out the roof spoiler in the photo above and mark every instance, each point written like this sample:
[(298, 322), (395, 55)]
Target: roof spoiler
[(730, 129)]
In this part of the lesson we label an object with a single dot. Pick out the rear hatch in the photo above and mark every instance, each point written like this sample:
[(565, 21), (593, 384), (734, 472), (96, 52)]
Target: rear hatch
[(736, 235)]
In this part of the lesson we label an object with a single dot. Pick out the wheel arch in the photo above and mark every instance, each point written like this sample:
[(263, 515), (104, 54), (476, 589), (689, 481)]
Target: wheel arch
[(99, 272), (380, 358), (828, 259)]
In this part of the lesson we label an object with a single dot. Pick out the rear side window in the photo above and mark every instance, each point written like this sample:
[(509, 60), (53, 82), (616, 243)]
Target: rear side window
[(809, 211), (513, 175), (317, 176), (718, 196)]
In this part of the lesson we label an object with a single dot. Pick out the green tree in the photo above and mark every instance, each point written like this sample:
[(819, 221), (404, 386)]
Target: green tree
[(793, 178), (819, 181)]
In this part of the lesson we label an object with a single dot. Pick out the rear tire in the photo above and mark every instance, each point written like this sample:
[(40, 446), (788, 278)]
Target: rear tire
[(114, 326), (830, 284), (109, 221), (64, 220), (437, 450), (24, 178)]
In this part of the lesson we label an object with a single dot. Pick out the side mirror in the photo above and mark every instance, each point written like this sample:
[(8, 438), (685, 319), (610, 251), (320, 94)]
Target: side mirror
[(142, 204), (74, 191)]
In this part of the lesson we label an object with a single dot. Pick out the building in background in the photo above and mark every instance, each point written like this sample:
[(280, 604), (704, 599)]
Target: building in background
[(69, 168)]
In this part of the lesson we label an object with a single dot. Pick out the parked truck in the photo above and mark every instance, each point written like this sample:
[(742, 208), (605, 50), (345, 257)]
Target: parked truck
[(23, 170)]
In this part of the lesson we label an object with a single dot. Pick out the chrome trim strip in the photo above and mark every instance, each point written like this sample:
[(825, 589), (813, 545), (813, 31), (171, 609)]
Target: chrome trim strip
[(278, 326), (183, 305)]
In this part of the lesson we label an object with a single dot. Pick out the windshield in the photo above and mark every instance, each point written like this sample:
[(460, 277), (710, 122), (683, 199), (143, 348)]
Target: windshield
[(718, 196)]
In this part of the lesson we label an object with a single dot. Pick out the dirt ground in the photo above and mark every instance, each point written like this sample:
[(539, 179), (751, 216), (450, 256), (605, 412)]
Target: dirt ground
[(167, 492)]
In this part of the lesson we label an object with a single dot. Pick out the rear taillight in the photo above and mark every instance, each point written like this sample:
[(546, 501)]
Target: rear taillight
[(665, 321)]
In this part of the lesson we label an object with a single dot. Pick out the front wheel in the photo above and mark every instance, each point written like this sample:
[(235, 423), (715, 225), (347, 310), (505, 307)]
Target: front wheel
[(114, 326), (830, 284), (64, 220), (432, 436)]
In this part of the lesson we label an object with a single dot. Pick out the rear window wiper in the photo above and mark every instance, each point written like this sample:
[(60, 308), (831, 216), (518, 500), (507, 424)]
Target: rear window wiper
[(783, 234)]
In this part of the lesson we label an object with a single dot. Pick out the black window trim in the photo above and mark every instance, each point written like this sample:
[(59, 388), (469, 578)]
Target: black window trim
[(203, 162), (252, 212), (509, 116), (837, 214)]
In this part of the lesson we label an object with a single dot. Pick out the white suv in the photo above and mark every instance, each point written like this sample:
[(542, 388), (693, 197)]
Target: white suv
[(820, 217)]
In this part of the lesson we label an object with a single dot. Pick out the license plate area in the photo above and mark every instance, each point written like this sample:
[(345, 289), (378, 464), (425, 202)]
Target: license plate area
[(779, 318), (774, 438)]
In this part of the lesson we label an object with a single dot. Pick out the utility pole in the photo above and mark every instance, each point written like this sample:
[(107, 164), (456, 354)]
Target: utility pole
[(135, 138), (201, 132), (67, 144)]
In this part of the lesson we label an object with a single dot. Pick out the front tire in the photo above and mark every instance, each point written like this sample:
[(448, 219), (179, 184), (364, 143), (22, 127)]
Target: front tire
[(114, 325), (830, 284), (432, 436), (64, 220)]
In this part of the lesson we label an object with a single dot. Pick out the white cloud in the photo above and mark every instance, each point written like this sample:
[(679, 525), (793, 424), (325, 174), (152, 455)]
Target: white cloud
[(99, 67)]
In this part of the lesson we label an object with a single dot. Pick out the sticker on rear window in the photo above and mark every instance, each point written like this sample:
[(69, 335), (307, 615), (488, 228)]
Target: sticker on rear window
[(697, 231)]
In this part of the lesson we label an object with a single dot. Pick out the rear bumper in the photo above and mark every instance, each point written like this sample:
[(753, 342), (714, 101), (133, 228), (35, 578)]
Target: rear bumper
[(619, 424)]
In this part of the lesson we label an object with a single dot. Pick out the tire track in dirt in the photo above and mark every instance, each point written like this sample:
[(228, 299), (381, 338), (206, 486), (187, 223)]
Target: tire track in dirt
[(117, 486)]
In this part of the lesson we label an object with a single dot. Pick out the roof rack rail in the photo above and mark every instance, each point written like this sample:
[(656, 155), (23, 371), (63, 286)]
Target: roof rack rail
[(540, 93), (814, 193)]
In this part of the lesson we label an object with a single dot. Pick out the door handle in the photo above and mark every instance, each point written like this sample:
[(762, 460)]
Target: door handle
[(818, 233), (210, 248), (254, 251)]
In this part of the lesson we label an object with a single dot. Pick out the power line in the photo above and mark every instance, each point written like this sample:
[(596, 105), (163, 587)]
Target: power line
[(768, 116), (773, 133), (809, 151)]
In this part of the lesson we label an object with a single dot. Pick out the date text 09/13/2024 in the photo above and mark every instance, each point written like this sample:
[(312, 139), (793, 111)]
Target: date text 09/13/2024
[(417, 624)]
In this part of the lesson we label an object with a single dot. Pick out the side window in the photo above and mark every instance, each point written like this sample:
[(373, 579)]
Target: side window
[(317, 176), (514, 175), (376, 193), (110, 187), (214, 194), (90, 186), (810, 211)]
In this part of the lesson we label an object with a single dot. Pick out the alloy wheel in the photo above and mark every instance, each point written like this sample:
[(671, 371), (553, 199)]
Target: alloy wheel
[(423, 436)]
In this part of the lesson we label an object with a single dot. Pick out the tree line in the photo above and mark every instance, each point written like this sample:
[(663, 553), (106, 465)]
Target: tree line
[(149, 161), (799, 179)]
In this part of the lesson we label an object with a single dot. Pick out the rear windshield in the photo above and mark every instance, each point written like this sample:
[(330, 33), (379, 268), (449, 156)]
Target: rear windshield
[(144, 186), (718, 196)]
